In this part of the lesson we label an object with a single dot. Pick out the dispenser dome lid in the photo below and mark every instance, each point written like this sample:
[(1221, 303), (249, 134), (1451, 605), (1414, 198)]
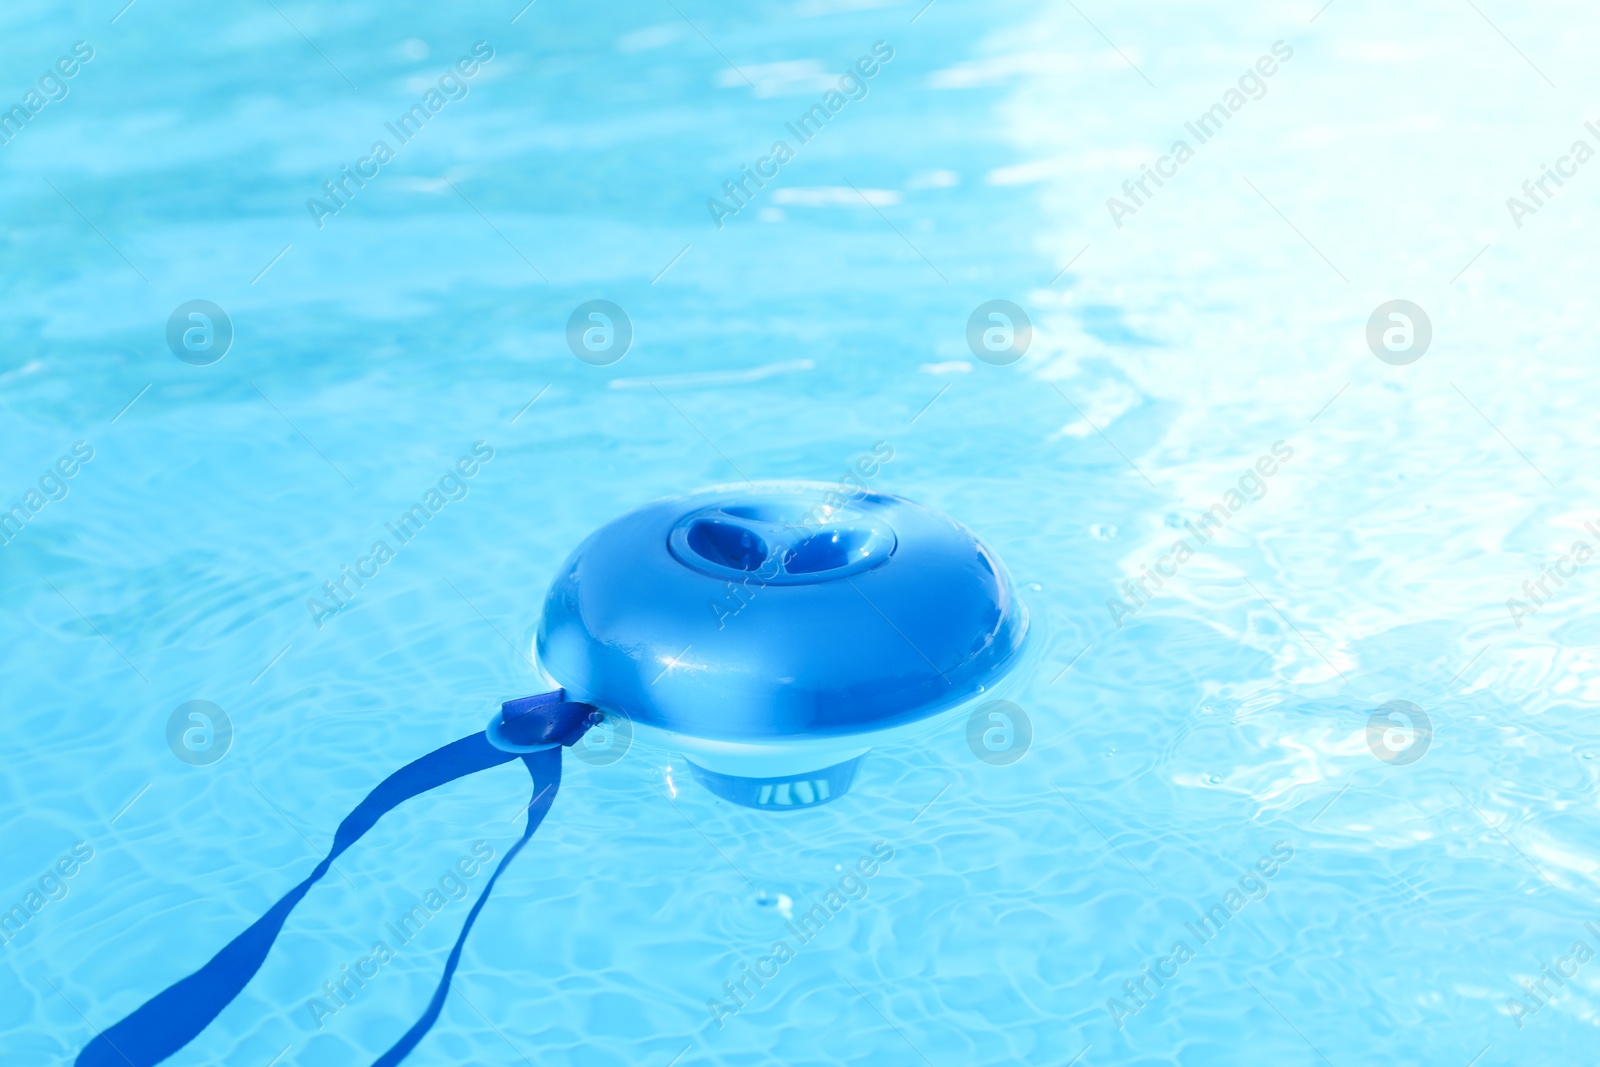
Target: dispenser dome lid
[(780, 610)]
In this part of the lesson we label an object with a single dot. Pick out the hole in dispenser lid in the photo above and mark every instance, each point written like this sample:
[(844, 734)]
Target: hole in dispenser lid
[(727, 545)]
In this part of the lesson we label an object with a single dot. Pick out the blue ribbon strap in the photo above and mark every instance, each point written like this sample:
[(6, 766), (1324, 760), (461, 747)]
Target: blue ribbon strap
[(532, 729)]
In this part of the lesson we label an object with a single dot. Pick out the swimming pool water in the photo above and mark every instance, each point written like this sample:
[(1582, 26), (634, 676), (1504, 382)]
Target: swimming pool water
[(1207, 347)]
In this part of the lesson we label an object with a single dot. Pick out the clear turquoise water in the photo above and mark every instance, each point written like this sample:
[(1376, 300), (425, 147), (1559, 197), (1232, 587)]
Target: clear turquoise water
[(1228, 714)]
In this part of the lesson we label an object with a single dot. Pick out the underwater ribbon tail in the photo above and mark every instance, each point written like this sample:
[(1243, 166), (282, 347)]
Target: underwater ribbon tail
[(545, 769), (172, 1018)]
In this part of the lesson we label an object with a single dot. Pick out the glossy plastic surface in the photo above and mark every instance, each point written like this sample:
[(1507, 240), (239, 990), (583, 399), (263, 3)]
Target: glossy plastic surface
[(780, 610)]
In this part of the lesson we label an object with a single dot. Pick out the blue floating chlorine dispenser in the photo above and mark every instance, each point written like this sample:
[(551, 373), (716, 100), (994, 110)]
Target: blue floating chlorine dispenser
[(775, 632), (772, 633)]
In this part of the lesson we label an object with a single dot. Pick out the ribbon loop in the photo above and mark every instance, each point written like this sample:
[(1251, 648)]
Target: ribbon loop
[(176, 1016)]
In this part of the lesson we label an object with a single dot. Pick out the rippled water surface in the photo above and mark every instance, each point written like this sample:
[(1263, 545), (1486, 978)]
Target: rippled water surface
[(1184, 743)]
